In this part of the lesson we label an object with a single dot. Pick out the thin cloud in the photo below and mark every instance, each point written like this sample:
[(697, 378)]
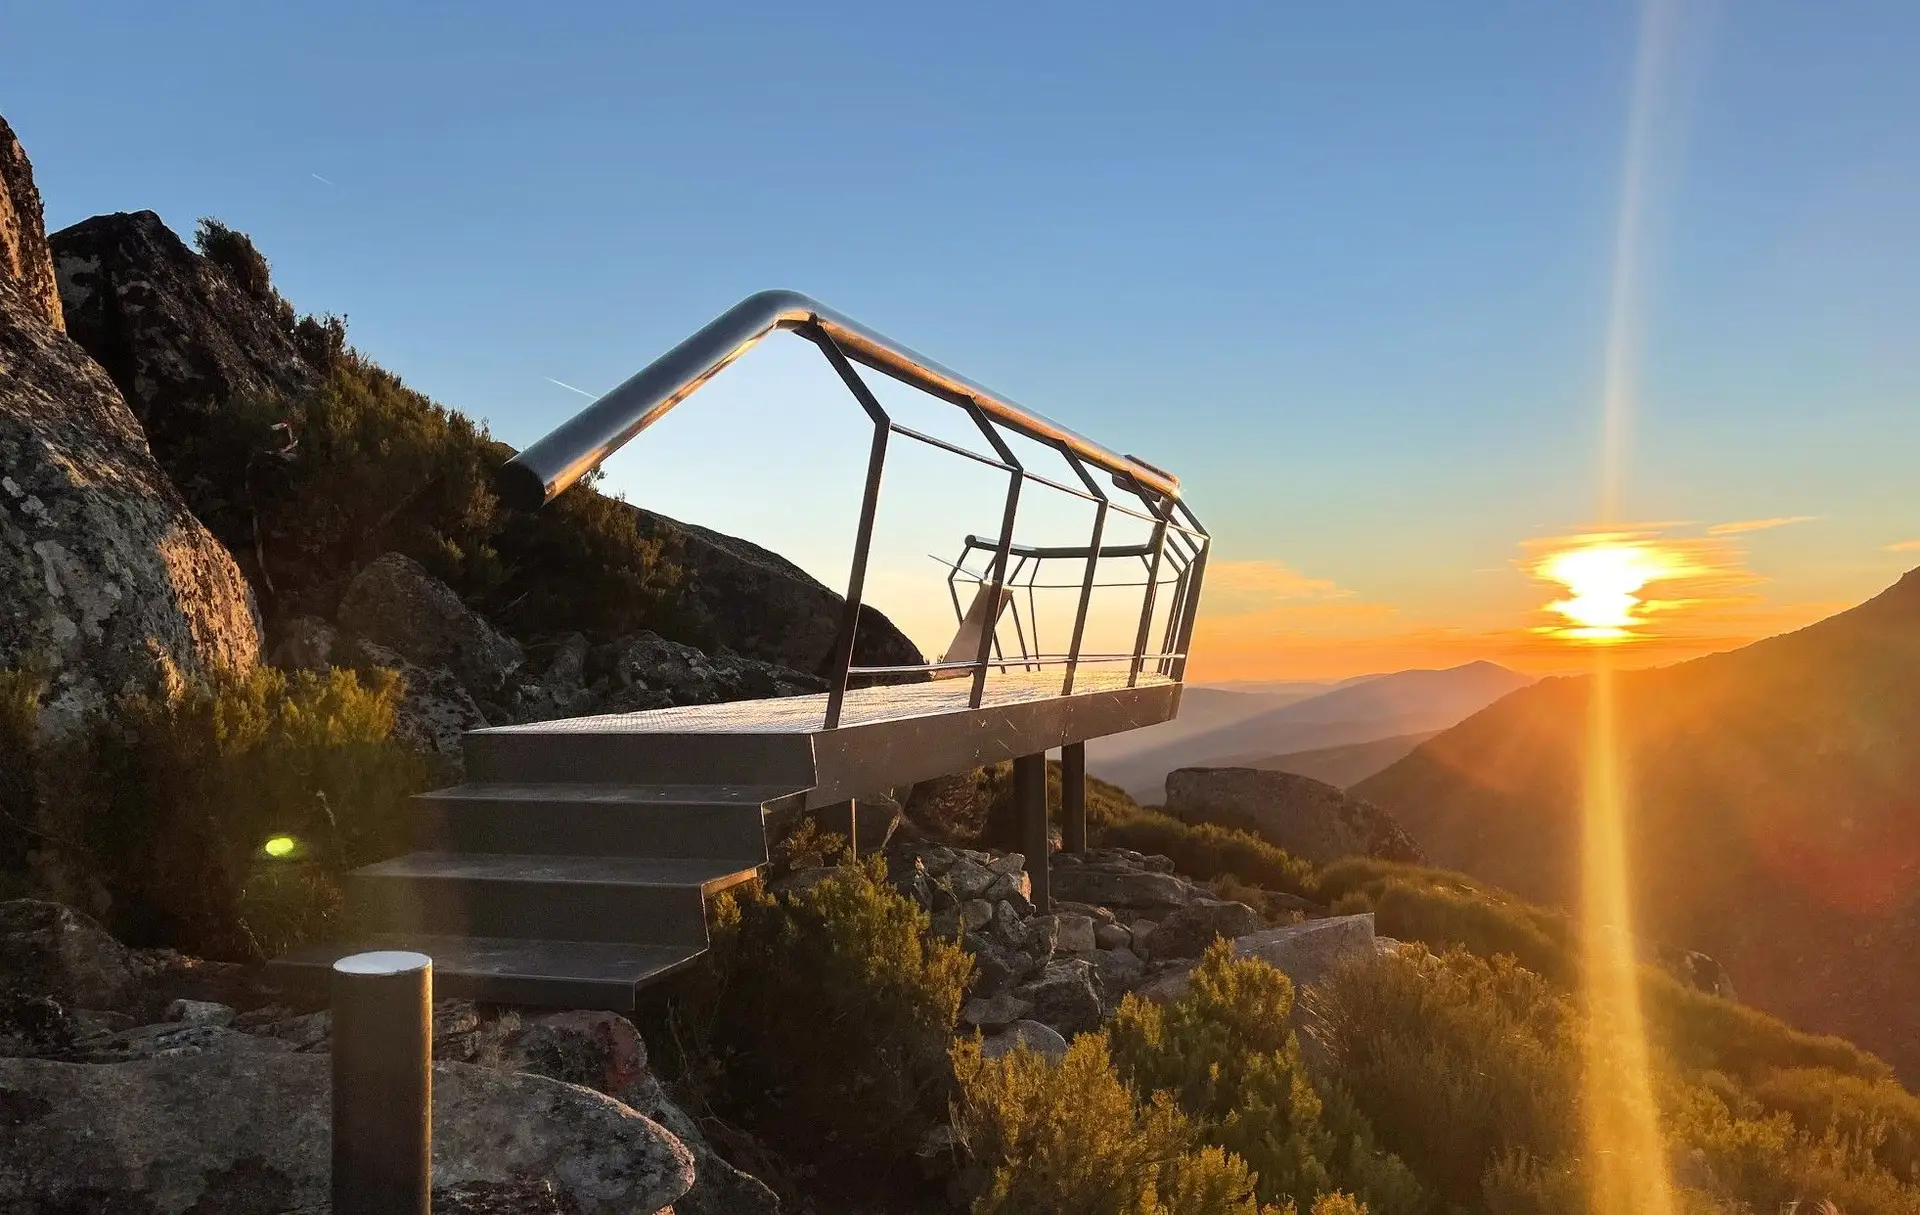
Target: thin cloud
[(1743, 526), (570, 388), (1243, 587), (1904, 546), (323, 181)]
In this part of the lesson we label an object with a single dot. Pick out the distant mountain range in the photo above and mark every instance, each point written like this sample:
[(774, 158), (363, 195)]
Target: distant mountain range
[(1348, 764), (1776, 812), (1222, 728)]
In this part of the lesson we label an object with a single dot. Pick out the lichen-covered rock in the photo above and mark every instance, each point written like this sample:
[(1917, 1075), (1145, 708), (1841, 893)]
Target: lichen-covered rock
[(175, 332), (25, 260), (693, 677), (244, 1125), (107, 582), (1043, 1040), (50, 950), (1066, 995), (435, 709), (1116, 884), (1309, 818), (395, 603), (1187, 932), (1305, 953)]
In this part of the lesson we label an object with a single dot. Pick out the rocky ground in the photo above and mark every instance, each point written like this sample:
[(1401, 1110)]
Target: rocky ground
[(145, 1080)]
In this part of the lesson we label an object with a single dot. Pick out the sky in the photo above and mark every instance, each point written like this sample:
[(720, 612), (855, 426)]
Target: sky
[(1349, 271)]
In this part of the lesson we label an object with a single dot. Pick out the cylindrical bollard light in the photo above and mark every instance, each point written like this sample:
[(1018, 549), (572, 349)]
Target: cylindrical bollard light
[(383, 1084)]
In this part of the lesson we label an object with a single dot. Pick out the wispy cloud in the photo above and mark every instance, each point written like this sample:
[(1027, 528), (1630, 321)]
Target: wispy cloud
[(1904, 546), (323, 181), (570, 388), (1743, 526), (1242, 587)]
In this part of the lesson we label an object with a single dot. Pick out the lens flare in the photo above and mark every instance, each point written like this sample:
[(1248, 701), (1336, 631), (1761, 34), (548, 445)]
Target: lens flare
[(1604, 579)]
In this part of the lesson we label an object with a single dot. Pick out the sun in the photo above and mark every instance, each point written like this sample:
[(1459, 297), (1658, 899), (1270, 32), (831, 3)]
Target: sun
[(1604, 579)]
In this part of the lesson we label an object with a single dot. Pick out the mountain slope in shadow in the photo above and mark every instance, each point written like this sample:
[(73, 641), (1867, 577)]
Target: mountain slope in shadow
[(1774, 818)]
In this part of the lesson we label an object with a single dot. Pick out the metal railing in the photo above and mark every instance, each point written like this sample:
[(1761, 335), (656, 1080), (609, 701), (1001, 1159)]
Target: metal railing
[(1178, 542)]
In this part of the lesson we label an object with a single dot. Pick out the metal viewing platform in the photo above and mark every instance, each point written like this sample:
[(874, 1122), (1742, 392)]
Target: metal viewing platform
[(575, 864)]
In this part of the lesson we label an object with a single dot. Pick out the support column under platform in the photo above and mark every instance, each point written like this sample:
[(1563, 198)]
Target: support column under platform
[(1073, 797), (1030, 811)]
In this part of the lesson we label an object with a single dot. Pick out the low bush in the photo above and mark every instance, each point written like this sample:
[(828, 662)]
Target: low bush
[(167, 806), (820, 1023), (1875, 1112), (1442, 910), (1706, 1032), (1226, 1053)]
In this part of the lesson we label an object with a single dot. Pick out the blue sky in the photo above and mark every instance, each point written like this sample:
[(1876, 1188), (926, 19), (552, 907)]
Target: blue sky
[(1344, 268)]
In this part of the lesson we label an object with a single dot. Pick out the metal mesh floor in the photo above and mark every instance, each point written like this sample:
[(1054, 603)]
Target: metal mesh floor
[(807, 714)]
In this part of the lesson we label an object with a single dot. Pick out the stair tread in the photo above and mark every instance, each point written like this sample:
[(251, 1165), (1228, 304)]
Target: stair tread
[(518, 867), (504, 957), (619, 794)]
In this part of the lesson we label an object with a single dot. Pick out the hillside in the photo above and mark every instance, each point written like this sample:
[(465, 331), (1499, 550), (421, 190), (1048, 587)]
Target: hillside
[(1776, 822), (1406, 702), (1344, 765)]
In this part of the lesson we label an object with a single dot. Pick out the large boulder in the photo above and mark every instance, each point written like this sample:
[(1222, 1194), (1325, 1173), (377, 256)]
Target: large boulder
[(175, 331), (242, 1124), (50, 950), (747, 598), (25, 261), (107, 582), (688, 676), (1309, 818), (1306, 953), (394, 602)]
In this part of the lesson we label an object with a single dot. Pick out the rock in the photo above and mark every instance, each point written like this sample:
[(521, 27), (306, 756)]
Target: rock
[(1065, 996), (1009, 887), (199, 1012), (1111, 936), (107, 582), (307, 643), (1120, 971), (435, 708), (245, 1127), (25, 260), (396, 604), (969, 879), (1009, 927), (995, 1013), (875, 819), (179, 336), (993, 969), (1310, 819), (1043, 1040), (561, 690), (762, 605), (604, 1052), (975, 914), (1187, 932), (1142, 933), (1306, 952), (50, 950), (1071, 933), (692, 677), (1114, 886), (34, 1025)]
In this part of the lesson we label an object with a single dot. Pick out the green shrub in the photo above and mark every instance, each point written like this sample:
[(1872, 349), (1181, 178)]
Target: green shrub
[(238, 258), (1442, 910), (168, 804), (1456, 1060), (1073, 1139), (821, 1021), (1878, 1113), (1706, 1032), (1226, 1053)]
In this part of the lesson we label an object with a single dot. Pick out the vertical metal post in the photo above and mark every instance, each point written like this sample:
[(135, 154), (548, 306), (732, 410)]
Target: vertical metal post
[(1146, 600), (1196, 572), (383, 1084), (853, 828), (1030, 811), (1073, 797), (1086, 595), (843, 641), (989, 635)]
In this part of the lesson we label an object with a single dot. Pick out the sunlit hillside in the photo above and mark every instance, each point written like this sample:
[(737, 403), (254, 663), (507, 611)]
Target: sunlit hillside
[(1775, 802)]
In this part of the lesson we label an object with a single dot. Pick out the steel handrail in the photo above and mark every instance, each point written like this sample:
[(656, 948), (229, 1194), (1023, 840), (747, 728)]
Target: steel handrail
[(581, 443)]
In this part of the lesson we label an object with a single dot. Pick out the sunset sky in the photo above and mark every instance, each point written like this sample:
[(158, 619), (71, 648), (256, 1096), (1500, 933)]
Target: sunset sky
[(1345, 269)]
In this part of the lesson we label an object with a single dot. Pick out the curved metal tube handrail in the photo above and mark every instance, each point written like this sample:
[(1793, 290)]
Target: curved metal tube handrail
[(579, 445)]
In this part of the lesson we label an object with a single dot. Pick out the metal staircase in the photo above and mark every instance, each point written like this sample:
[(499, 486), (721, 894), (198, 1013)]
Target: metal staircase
[(577, 864)]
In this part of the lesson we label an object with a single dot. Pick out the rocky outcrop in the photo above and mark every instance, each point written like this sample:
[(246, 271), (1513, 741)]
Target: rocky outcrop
[(179, 336), (107, 582), (1305, 952), (1311, 819), (51, 951), (25, 262), (394, 603), (746, 598), (647, 662), (242, 1124)]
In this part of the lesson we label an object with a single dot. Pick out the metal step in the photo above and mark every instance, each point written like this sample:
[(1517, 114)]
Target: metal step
[(656, 901), (722, 821), (606, 750), (556, 974)]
